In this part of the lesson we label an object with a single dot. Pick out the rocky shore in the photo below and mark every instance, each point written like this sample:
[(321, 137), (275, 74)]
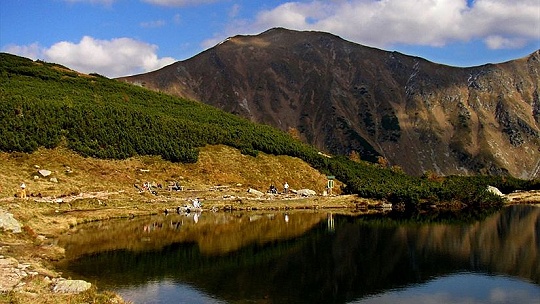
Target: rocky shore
[(29, 227)]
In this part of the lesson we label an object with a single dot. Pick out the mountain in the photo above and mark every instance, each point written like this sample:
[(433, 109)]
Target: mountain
[(344, 97), (48, 105)]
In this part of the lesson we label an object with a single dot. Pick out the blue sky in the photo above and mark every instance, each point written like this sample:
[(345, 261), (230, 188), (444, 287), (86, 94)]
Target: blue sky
[(124, 37)]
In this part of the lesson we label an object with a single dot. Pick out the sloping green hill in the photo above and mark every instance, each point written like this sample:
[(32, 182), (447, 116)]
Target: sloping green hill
[(44, 104)]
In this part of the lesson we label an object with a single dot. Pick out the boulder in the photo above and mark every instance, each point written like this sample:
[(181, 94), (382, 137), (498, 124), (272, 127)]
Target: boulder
[(8, 222), (306, 192), (495, 191), (256, 192), (44, 172), (71, 286)]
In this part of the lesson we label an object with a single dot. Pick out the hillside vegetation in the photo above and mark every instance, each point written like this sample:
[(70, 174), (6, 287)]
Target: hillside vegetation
[(47, 105)]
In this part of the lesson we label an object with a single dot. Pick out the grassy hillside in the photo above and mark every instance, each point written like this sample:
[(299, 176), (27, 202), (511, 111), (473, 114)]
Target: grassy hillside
[(219, 168), (47, 105)]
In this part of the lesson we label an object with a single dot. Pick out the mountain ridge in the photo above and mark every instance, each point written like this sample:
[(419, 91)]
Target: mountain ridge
[(347, 98)]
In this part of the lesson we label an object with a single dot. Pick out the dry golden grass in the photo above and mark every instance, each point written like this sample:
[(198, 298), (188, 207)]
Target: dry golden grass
[(217, 166), (89, 189)]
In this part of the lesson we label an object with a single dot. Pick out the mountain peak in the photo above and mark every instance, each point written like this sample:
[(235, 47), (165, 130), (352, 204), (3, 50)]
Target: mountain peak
[(344, 97)]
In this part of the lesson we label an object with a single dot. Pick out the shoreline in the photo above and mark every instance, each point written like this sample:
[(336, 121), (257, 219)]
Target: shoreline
[(27, 257), (28, 254)]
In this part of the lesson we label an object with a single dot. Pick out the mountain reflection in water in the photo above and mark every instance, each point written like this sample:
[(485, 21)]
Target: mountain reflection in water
[(304, 257)]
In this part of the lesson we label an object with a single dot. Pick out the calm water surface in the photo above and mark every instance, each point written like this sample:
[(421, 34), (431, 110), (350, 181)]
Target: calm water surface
[(313, 257)]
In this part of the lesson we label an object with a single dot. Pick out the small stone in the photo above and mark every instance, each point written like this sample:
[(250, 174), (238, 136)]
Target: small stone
[(44, 172), (29, 294), (23, 266), (21, 284)]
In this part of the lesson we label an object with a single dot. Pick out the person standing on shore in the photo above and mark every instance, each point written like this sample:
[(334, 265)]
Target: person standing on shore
[(23, 190), (285, 188)]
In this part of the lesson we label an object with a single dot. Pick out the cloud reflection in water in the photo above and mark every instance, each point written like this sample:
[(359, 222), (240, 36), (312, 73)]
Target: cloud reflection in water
[(469, 288)]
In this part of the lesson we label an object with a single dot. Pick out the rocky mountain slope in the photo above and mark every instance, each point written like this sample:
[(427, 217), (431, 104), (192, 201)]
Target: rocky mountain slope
[(344, 97)]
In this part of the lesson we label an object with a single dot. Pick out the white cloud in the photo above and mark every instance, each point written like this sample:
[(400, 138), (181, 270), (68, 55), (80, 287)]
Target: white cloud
[(112, 58), (498, 42), (153, 24), (177, 19), (383, 23), (32, 51), (178, 2), (234, 11)]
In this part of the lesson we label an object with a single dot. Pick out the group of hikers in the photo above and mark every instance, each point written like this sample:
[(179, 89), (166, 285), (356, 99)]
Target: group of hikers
[(175, 186), (274, 190), (148, 186)]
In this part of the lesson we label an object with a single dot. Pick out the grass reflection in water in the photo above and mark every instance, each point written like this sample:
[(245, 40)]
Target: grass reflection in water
[(309, 258)]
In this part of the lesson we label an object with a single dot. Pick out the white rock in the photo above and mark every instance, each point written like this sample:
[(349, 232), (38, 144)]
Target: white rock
[(8, 222), (495, 191), (44, 172), (306, 192), (71, 286), (256, 192)]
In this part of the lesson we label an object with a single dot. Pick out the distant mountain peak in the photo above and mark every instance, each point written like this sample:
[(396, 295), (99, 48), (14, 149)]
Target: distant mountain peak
[(343, 97)]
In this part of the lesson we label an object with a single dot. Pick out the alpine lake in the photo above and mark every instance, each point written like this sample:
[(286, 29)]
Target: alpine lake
[(489, 256)]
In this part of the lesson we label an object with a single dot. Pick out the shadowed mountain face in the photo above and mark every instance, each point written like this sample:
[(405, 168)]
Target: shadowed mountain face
[(344, 97)]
